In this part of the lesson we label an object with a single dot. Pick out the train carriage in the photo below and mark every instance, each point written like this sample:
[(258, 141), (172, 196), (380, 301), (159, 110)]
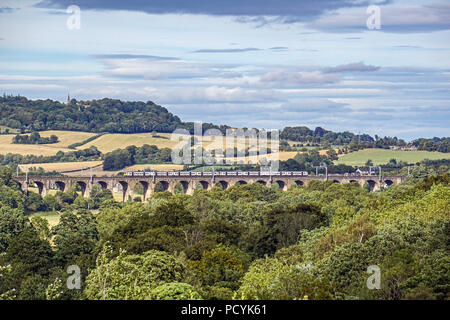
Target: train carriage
[(209, 173)]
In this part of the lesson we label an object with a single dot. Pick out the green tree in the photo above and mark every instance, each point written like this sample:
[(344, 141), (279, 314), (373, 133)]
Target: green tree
[(75, 236), (12, 223), (41, 225), (218, 268), (174, 291), (128, 277), (30, 260)]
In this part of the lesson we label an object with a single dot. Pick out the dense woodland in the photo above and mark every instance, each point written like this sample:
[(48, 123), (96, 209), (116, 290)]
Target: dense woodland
[(306, 135), (248, 242), (435, 144), (320, 136), (121, 158), (105, 115)]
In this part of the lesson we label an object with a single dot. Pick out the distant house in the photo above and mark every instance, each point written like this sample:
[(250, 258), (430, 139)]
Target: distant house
[(365, 171), (404, 148), (362, 171)]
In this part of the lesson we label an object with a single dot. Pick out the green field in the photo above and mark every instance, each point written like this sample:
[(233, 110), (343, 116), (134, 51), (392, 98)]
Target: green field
[(382, 156), (52, 217)]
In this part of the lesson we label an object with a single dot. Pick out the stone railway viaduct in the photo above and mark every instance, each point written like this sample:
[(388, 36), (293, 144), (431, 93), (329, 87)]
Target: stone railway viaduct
[(168, 183)]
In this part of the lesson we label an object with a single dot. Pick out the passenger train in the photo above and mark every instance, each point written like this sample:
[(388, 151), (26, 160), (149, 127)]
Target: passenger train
[(210, 174)]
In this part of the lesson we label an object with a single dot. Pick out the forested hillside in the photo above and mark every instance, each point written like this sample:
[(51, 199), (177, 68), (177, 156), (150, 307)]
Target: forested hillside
[(105, 115)]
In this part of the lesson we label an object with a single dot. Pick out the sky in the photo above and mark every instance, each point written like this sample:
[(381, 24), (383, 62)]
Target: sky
[(245, 63)]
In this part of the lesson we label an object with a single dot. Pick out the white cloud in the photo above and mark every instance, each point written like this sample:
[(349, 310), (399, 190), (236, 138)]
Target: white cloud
[(289, 79), (352, 67)]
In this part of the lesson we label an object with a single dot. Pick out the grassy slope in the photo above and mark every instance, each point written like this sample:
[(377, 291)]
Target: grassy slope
[(382, 156), (51, 217)]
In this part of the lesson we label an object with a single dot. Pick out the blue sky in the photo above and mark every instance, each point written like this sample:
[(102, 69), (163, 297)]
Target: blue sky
[(266, 63)]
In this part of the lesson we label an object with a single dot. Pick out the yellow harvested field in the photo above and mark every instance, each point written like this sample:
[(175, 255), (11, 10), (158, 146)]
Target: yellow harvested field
[(110, 142), (282, 156), (157, 167), (137, 167), (287, 155), (6, 146), (66, 138), (63, 166), (107, 142), (98, 171)]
